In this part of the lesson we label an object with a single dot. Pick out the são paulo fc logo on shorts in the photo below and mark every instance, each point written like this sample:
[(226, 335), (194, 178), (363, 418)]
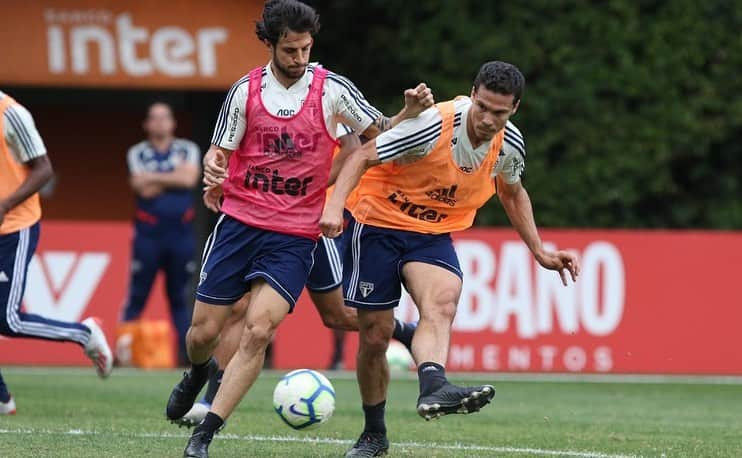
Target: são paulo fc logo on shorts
[(366, 288)]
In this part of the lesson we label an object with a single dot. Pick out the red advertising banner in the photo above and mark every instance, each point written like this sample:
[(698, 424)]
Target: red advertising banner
[(646, 302), (80, 269)]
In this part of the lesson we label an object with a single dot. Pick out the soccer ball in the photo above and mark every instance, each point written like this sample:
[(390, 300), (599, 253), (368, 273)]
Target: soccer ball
[(304, 399), (398, 358)]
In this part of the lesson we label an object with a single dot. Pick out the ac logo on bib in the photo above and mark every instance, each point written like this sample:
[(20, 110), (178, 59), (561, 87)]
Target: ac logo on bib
[(366, 288)]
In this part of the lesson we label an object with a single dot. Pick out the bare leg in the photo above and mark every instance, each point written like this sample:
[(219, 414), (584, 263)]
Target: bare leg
[(373, 371), (206, 325), (266, 311), (229, 340), (332, 309), (436, 292)]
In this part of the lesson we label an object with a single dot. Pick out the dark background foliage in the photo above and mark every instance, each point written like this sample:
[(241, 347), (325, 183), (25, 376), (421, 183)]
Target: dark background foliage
[(632, 113)]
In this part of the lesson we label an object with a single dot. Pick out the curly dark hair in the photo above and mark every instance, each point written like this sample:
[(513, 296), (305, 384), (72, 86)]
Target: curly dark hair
[(280, 16), (501, 77)]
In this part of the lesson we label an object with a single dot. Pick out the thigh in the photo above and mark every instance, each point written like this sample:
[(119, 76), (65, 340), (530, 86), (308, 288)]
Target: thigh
[(378, 322), (371, 268), (210, 317), (268, 307), (431, 271)]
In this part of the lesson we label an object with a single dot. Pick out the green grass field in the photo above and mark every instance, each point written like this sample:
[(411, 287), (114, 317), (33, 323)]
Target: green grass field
[(70, 413)]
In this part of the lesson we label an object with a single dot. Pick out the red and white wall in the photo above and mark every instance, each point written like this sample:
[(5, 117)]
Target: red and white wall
[(646, 302)]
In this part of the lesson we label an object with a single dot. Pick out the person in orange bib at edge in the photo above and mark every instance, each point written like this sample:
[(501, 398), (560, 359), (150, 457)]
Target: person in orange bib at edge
[(24, 169), (274, 191), (420, 181)]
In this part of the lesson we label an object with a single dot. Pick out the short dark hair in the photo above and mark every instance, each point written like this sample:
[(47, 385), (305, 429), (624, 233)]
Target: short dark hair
[(280, 16), (160, 102), (501, 77)]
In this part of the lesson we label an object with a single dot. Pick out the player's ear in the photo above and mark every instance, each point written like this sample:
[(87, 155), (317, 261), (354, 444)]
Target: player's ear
[(515, 107), (473, 91)]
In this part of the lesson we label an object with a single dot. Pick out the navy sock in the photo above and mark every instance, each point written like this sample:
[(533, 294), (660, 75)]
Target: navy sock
[(211, 423), (4, 393), (200, 370), (215, 381), (432, 376), (375, 418), (404, 332)]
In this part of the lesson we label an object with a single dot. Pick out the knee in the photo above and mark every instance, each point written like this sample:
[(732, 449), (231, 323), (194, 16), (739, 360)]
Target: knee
[(374, 337), (339, 319), (203, 334), (257, 335), (442, 306), (331, 321), (238, 312)]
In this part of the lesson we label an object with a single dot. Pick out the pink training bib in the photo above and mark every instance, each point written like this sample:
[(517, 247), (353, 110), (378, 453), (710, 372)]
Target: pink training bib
[(278, 176)]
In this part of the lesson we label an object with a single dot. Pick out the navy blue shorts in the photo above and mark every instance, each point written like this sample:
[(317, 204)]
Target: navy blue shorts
[(327, 272), (374, 259), (16, 252), (236, 253)]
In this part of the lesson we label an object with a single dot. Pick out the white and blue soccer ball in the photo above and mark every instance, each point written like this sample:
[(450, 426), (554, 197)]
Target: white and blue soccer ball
[(304, 399), (399, 358)]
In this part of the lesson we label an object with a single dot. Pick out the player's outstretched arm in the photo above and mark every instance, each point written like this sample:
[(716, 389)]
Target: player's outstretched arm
[(517, 205), (416, 101), (40, 172), (350, 174)]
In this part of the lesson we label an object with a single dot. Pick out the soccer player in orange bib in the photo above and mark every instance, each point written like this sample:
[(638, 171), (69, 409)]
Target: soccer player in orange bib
[(24, 169), (420, 181)]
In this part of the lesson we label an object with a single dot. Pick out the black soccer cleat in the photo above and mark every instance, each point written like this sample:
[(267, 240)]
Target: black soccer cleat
[(450, 399), (186, 391), (369, 445), (198, 445)]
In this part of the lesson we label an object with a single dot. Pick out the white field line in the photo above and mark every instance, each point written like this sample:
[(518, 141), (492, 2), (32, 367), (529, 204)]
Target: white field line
[(491, 376), (320, 440)]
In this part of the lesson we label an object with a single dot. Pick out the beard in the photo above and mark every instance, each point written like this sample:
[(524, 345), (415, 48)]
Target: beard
[(289, 72)]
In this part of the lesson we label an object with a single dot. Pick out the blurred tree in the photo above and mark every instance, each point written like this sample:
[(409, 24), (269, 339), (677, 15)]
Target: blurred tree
[(633, 109)]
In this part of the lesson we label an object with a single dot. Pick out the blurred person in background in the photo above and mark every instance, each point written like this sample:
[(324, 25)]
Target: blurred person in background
[(163, 170), (24, 169)]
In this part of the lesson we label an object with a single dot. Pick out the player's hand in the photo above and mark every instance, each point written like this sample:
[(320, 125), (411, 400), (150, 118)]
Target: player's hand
[(331, 222), (560, 261), (215, 168), (417, 100), (213, 198)]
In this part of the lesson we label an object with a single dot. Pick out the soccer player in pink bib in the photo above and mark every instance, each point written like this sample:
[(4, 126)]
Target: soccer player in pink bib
[(279, 153)]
